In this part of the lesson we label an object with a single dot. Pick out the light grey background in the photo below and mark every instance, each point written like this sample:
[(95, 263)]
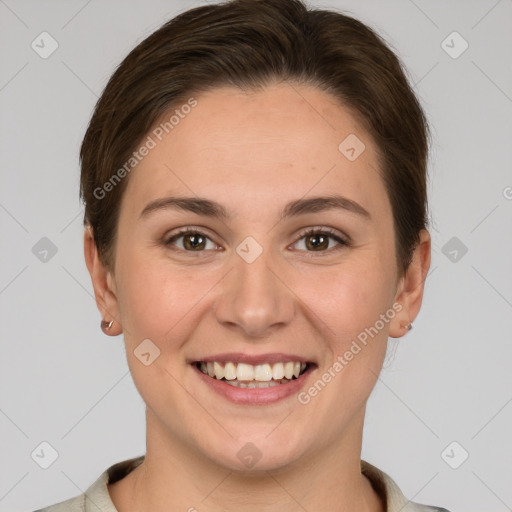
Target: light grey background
[(449, 379)]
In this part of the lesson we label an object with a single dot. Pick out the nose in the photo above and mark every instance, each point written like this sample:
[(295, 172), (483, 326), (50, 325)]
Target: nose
[(254, 298)]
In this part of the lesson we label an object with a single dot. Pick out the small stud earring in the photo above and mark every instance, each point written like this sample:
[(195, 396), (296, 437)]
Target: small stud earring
[(409, 327), (105, 326)]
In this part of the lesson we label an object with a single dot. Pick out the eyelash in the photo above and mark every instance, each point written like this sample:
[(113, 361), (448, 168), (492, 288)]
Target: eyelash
[(342, 242)]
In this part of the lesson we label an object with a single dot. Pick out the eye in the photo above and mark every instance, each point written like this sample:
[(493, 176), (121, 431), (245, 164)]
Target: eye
[(193, 240), (318, 240)]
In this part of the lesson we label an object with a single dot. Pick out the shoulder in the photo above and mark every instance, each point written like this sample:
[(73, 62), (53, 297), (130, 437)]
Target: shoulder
[(96, 497), (76, 504), (427, 508), (391, 494)]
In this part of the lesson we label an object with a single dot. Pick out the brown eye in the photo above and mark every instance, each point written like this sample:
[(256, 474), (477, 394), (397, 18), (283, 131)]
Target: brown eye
[(319, 240), (192, 241)]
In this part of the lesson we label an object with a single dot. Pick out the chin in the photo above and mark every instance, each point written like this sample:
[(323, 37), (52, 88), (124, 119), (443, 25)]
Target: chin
[(253, 455)]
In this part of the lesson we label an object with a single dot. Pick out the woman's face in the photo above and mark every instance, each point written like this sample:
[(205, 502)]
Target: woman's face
[(252, 287)]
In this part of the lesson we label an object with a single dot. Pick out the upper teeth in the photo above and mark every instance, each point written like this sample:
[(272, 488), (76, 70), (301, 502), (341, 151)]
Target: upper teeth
[(259, 372)]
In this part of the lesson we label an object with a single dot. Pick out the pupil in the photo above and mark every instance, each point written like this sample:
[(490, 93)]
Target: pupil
[(317, 243), (192, 241)]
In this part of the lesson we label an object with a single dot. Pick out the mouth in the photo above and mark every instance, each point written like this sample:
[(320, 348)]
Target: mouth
[(244, 375)]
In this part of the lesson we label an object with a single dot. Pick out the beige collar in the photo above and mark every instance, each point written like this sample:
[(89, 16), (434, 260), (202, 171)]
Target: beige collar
[(97, 495)]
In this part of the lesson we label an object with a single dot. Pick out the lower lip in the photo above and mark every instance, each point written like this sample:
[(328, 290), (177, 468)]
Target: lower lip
[(254, 396)]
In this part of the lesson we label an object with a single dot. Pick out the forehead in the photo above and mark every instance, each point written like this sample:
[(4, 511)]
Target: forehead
[(285, 121), (286, 141)]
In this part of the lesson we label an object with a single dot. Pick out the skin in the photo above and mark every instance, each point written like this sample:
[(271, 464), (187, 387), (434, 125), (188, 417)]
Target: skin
[(197, 303)]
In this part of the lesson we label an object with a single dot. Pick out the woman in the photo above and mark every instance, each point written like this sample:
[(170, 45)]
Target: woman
[(254, 179)]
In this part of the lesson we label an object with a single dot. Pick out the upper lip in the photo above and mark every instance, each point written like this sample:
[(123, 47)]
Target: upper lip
[(253, 359)]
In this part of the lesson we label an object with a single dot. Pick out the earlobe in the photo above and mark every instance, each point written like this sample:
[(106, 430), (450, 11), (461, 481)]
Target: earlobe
[(410, 291), (103, 284)]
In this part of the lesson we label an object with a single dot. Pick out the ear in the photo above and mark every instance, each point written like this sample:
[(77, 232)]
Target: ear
[(103, 283), (410, 289)]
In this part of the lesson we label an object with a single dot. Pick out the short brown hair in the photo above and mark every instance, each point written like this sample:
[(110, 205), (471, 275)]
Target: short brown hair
[(249, 44)]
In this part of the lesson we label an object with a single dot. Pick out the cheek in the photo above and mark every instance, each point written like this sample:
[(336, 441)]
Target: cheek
[(157, 303), (350, 297), (348, 304), (157, 298)]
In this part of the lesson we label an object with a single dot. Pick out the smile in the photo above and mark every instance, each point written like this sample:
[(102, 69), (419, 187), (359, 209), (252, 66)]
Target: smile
[(250, 376)]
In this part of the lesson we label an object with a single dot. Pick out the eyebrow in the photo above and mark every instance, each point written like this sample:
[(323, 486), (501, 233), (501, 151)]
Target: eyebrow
[(209, 208)]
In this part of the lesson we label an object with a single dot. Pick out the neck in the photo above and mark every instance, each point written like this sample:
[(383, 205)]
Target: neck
[(174, 478)]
